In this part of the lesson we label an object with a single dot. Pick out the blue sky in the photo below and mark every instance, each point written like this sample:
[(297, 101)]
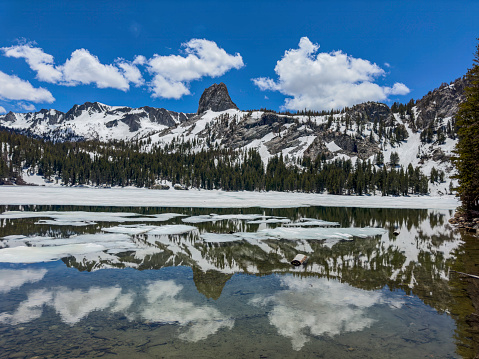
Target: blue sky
[(282, 55)]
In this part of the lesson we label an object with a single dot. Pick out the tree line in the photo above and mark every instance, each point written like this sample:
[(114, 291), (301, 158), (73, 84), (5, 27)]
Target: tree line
[(119, 163)]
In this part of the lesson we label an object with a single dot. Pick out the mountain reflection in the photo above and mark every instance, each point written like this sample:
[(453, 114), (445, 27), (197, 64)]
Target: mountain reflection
[(351, 244), (355, 265)]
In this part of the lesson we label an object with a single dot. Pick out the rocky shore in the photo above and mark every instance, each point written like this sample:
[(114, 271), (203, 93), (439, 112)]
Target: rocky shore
[(468, 222)]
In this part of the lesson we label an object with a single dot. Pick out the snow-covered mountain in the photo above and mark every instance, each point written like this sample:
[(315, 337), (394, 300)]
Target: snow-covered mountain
[(421, 133), (94, 121)]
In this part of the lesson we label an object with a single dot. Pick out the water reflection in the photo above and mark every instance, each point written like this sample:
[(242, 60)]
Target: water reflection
[(359, 249), (353, 256), (154, 302), (15, 278), (309, 307)]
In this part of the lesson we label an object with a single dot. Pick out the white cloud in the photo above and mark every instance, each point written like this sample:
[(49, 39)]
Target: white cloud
[(322, 80), (14, 88), (131, 72), (173, 73), (26, 106), (2, 110), (38, 61), (397, 89), (81, 68), (160, 303), (85, 68)]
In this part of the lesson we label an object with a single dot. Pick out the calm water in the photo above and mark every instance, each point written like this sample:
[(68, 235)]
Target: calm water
[(167, 282)]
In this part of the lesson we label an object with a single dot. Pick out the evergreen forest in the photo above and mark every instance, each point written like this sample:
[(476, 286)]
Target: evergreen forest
[(120, 163)]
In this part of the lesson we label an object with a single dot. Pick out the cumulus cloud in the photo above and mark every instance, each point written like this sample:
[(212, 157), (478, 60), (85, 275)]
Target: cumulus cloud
[(26, 106), (322, 80), (85, 68), (172, 74), (14, 88), (82, 68), (38, 61), (131, 72)]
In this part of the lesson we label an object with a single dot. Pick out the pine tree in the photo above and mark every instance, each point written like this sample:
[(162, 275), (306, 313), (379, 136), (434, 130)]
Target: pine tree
[(467, 148)]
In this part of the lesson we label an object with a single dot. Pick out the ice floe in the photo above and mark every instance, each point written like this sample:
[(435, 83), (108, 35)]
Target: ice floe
[(44, 254), (295, 233), (311, 222), (84, 218), (223, 217)]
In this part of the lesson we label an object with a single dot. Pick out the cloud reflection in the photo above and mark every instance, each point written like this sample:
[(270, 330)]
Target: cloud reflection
[(155, 302), (13, 278), (163, 306), (311, 307)]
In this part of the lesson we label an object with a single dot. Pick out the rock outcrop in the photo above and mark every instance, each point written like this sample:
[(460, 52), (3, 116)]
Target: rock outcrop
[(440, 103), (216, 98)]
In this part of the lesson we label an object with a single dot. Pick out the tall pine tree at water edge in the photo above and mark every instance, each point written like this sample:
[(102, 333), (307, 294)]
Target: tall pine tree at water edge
[(467, 148)]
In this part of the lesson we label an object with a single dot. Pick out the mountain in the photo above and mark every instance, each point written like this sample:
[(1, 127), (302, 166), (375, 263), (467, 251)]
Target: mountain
[(421, 133), (216, 98), (94, 121)]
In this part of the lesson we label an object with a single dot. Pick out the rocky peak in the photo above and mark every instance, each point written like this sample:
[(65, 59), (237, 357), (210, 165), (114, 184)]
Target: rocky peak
[(441, 102), (9, 117), (215, 98)]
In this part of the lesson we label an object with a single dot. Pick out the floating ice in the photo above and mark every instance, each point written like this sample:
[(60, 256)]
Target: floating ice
[(269, 221), (171, 229), (65, 218), (217, 217), (320, 233), (220, 237), (129, 229), (310, 222), (44, 249), (65, 223), (44, 254)]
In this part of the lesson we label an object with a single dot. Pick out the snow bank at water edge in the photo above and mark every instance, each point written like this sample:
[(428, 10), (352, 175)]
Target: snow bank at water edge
[(140, 197)]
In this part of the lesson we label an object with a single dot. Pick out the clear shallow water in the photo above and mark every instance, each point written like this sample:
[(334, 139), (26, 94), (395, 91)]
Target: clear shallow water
[(140, 282)]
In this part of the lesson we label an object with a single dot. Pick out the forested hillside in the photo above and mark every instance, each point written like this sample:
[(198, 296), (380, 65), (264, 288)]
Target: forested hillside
[(368, 148), (128, 164)]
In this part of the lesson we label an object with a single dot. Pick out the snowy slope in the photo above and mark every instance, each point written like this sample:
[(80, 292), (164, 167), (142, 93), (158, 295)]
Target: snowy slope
[(360, 132)]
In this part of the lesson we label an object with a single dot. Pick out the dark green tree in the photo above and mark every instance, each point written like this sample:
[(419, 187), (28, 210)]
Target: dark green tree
[(467, 148)]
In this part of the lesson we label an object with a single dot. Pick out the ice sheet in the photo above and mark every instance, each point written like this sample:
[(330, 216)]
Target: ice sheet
[(45, 254), (22, 195), (79, 217), (320, 232), (220, 237)]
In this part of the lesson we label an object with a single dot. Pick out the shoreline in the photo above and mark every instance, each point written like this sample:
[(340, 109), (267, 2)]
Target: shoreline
[(142, 197)]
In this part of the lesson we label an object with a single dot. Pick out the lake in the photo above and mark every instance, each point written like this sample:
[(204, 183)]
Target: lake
[(154, 282)]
